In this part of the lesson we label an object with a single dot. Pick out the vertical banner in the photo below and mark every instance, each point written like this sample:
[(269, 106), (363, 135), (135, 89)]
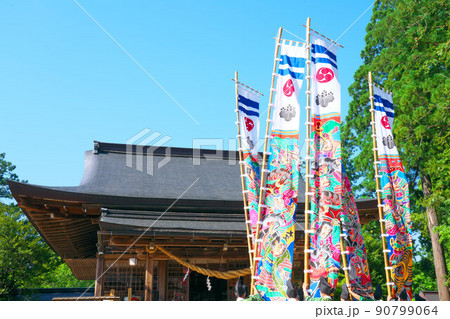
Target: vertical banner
[(358, 272), (395, 195), (249, 128), (326, 166), (278, 223)]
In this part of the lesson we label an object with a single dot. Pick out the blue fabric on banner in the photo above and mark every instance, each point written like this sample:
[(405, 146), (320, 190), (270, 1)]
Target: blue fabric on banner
[(386, 103), (294, 75), (293, 61), (248, 102), (250, 113), (321, 49), (382, 109), (324, 60)]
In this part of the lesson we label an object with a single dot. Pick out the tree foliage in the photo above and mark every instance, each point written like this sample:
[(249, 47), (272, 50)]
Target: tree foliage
[(26, 261), (6, 172), (407, 50), (24, 257)]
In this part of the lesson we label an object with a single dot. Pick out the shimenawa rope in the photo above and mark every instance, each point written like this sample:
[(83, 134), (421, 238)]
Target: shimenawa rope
[(207, 272)]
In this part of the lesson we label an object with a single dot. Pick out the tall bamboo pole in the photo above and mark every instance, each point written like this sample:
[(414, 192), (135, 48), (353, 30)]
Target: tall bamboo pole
[(380, 206), (246, 211), (308, 150), (344, 252), (263, 167)]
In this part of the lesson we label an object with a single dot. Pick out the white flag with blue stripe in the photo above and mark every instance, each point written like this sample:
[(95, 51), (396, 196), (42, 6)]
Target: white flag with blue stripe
[(291, 71), (249, 119), (383, 103), (384, 118), (326, 90)]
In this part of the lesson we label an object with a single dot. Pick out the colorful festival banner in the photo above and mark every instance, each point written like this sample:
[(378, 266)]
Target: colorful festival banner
[(357, 263), (326, 165), (248, 106), (395, 195), (278, 222)]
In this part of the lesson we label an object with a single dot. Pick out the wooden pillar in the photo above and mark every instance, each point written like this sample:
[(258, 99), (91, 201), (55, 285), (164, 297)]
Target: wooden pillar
[(149, 278), (162, 280), (99, 276)]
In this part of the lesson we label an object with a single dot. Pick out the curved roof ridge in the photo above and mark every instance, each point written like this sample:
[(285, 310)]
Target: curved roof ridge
[(136, 149)]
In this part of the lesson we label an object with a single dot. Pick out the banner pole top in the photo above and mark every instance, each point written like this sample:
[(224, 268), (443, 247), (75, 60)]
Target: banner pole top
[(370, 79), (250, 88), (323, 36)]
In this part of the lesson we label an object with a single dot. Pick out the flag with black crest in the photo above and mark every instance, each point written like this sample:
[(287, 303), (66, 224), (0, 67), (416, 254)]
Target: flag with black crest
[(248, 108), (394, 194), (326, 167), (278, 223)]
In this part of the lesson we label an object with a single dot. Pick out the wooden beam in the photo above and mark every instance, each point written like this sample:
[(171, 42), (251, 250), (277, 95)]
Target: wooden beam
[(162, 280), (171, 243), (149, 278), (99, 276)]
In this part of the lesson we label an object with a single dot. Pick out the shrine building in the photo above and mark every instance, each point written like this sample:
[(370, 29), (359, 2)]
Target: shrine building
[(133, 199)]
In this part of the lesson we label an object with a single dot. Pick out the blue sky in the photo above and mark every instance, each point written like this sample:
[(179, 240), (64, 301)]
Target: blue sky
[(65, 83)]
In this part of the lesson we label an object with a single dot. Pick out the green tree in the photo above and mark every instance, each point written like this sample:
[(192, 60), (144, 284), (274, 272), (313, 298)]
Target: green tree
[(407, 50), (26, 261), (6, 172), (24, 257)]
